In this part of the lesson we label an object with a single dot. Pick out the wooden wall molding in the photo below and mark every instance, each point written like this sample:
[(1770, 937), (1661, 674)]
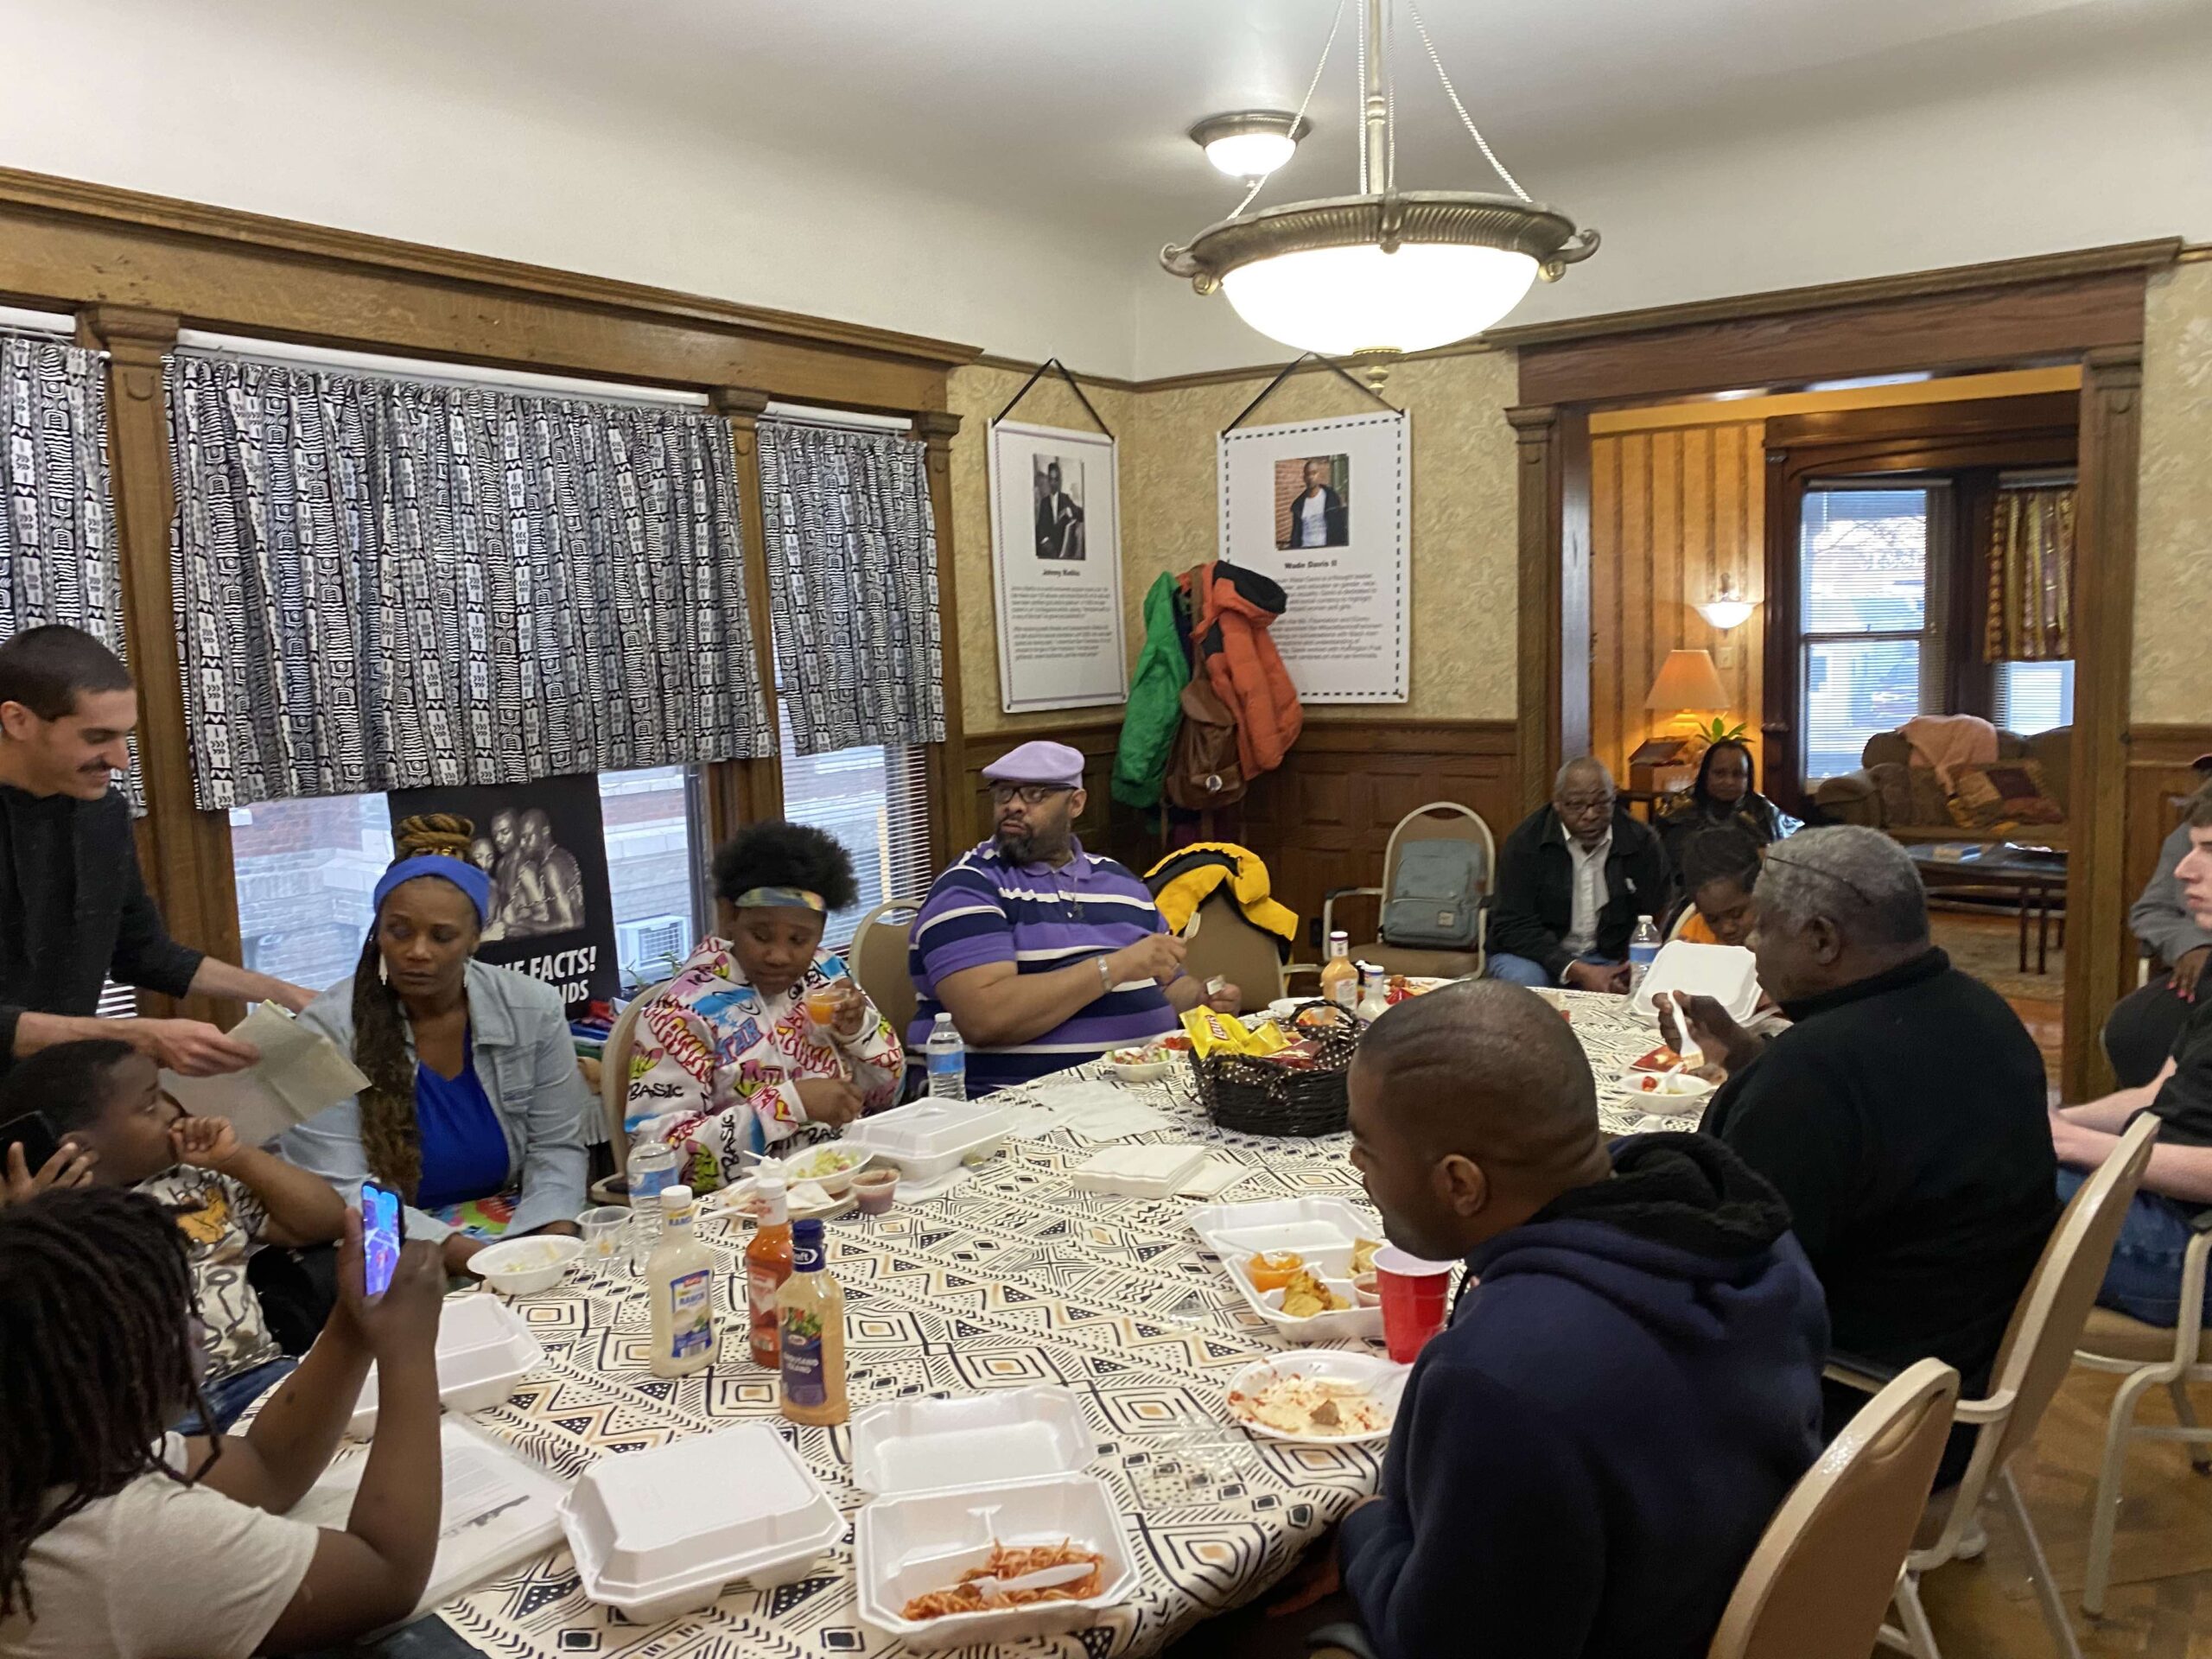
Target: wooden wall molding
[(2100, 953), (947, 763), (64, 245)]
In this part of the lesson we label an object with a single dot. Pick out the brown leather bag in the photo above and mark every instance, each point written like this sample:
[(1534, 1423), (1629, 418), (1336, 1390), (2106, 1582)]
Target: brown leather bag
[(1203, 765)]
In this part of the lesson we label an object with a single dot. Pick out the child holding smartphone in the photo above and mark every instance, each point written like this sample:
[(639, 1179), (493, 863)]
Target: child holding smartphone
[(118, 1539), (228, 1200)]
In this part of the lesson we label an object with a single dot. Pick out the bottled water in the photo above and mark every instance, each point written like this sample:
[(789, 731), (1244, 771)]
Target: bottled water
[(651, 1169), (947, 1061), (1642, 947)]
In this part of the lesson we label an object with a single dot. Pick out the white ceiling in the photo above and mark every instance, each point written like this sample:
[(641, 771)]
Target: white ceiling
[(1080, 107)]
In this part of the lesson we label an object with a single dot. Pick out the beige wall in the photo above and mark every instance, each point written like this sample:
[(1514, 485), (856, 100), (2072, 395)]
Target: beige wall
[(1464, 535), (2173, 571)]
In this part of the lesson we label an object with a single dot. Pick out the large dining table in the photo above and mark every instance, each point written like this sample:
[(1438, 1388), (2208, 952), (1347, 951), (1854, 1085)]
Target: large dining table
[(1013, 1277)]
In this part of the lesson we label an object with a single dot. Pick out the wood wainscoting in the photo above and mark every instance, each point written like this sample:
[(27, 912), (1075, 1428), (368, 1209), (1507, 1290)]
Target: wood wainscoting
[(1103, 826), (2160, 781), (1324, 819)]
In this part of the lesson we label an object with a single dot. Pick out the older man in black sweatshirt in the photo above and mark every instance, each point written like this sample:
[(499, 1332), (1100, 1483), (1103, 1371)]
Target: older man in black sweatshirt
[(1903, 1115)]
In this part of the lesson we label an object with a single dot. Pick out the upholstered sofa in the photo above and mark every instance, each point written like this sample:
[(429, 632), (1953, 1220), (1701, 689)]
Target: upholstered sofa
[(1889, 793)]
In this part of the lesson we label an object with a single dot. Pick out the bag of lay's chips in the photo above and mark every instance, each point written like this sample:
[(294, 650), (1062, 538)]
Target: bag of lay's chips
[(1214, 1032)]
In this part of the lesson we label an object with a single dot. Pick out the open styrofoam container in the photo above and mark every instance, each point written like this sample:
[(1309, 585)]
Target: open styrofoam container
[(1018, 1456), (662, 1533), (1322, 1231), (1727, 972), (1154, 1170), (917, 1445), (484, 1349), (932, 1137)]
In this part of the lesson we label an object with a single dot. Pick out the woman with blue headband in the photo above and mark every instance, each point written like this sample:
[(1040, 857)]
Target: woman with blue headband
[(475, 1112)]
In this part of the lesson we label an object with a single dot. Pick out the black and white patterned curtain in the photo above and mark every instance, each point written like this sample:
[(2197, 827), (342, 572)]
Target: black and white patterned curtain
[(851, 585), (385, 583), (58, 557)]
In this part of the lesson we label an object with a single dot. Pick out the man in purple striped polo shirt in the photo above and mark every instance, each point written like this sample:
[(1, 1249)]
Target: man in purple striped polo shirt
[(1044, 954)]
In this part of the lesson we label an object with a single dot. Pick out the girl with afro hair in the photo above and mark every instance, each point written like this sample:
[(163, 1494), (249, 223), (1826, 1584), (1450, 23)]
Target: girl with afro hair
[(762, 1031)]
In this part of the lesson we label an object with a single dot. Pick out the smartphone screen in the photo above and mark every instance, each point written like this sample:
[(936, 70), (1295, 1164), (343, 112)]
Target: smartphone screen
[(380, 1236), (35, 1134)]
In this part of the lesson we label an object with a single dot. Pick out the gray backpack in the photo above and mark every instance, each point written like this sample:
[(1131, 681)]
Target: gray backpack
[(1435, 896)]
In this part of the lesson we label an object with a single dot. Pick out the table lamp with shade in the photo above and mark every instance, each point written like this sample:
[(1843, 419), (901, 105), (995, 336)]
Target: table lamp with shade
[(1687, 684)]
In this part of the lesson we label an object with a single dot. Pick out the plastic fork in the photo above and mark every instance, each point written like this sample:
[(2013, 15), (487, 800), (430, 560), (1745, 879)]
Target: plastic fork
[(1046, 1577)]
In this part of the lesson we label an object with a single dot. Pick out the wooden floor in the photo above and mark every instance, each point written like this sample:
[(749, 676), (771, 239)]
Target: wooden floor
[(2039, 1000), (2160, 1605)]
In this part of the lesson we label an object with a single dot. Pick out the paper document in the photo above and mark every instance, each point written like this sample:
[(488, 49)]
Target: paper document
[(301, 1073), (498, 1509)]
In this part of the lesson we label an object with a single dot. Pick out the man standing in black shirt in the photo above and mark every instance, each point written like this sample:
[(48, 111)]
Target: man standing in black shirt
[(74, 911), (2144, 1278), (1903, 1115)]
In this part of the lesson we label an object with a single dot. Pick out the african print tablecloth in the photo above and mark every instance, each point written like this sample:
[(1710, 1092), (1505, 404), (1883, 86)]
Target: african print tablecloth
[(1011, 1278)]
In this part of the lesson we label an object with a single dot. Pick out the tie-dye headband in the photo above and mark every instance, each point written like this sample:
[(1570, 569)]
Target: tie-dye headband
[(779, 899)]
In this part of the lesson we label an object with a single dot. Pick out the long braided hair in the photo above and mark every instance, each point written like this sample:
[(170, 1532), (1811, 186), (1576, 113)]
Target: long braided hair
[(391, 1138), (96, 1296)]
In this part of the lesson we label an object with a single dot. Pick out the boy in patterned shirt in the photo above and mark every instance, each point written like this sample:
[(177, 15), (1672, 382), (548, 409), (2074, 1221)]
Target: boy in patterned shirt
[(105, 1099)]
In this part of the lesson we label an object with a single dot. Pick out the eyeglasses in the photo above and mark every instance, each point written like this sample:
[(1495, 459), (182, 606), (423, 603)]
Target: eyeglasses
[(1582, 805), (1864, 897), (1029, 794)]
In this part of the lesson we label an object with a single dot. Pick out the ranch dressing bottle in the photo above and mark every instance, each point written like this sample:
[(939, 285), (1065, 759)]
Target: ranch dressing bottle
[(680, 1282)]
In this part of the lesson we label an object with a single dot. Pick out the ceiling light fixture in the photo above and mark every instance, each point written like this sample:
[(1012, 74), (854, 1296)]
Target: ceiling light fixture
[(1728, 609), (1385, 270), (1250, 143)]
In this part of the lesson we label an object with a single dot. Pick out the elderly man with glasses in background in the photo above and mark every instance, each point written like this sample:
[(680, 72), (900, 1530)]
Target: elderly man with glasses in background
[(1572, 879), (1044, 954), (1902, 1115)]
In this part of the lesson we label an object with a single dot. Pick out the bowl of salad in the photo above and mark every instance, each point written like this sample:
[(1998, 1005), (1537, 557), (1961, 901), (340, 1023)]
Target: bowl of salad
[(1147, 1061), (830, 1166)]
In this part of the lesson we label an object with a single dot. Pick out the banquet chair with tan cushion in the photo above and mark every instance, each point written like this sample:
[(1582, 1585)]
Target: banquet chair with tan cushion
[(614, 1087), (2147, 1356), (1818, 1583), (1223, 942), (879, 960), (1438, 820), (2032, 1361)]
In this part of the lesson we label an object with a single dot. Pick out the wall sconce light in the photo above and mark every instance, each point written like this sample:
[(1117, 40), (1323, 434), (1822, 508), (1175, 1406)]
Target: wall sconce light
[(1728, 609)]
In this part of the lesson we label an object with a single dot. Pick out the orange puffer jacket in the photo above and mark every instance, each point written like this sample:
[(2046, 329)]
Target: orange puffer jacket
[(1234, 609)]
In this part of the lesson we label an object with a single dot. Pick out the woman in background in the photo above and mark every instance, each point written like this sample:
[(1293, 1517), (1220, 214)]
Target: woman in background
[(727, 1058), (1725, 795), (475, 1113)]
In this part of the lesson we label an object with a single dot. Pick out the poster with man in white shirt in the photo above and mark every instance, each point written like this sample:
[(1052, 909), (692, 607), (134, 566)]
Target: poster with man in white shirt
[(1313, 502), (1572, 879)]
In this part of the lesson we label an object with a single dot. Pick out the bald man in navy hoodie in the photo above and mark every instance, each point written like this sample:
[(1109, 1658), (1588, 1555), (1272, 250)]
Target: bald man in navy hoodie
[(1586, 1456)]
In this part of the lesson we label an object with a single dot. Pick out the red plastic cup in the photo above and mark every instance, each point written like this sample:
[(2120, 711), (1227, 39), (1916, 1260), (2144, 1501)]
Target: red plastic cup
[(1413, 1293)]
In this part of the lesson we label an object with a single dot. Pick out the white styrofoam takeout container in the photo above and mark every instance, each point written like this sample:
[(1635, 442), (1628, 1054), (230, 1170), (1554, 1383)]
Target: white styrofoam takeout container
[(484, 1349), (662, 1533), (1019, 1456), (522, 1267), (1727, 972), (1150, 1170), (918, 1444), (932, 1138), (1322, 1231)]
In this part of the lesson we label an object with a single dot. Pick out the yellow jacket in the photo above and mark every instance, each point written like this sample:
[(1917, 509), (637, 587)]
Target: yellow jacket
[(1200, 869)]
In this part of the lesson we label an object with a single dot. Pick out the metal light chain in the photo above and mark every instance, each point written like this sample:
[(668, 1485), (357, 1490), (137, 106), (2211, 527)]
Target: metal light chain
[(1299, 120), (1452, 93)]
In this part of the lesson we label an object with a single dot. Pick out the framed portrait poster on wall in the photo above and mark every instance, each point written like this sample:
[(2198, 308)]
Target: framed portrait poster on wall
[(1056, 555), (1324, 508)]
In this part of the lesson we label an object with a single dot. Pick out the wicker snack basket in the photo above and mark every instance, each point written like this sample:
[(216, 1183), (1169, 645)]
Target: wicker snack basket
[(1255, 1096)]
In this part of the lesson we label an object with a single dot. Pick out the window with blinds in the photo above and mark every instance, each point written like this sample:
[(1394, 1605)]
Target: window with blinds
[(1869, 637), (2033, 697), (876, 801)]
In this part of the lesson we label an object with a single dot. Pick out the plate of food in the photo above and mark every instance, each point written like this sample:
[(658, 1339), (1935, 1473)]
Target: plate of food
[(1321, 1397), (803, 1200), (1667, 1085), (829, 1165), (1146, 1061)]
